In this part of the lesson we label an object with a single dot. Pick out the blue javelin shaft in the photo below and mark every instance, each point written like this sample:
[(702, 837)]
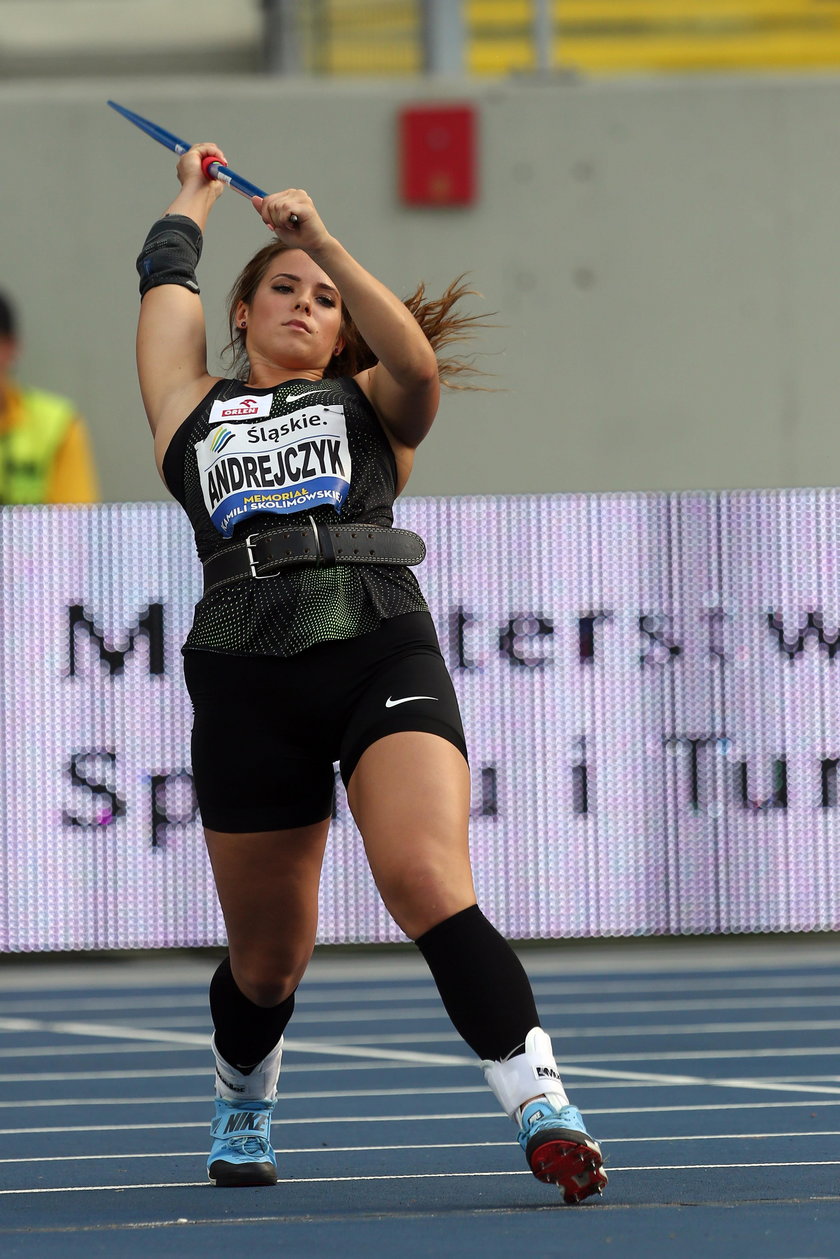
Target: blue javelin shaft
[(214, 170)]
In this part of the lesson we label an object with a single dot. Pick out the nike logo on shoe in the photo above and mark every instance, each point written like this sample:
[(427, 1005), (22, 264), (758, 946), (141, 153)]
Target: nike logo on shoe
[(408, 699), (246, 1121)]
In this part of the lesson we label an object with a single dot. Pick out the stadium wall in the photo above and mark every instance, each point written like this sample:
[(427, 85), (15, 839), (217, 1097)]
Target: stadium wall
[(662, 255)]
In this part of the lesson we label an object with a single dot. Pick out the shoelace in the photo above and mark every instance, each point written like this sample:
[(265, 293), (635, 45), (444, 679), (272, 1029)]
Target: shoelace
[(248, 1144)]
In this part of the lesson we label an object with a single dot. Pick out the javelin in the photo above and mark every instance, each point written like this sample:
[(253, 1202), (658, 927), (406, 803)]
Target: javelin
[(212, 167)]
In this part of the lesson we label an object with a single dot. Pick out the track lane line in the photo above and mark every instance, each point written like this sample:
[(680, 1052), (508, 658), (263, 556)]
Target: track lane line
[(609, 1110), (407, 1148), (399, 1176)]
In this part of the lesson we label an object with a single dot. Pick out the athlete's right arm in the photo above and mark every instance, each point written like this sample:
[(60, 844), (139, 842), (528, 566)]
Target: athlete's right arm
[(171, 338)]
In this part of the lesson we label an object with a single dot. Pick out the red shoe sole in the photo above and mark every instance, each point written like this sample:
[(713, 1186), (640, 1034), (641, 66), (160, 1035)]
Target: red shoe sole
[(575, 1169)]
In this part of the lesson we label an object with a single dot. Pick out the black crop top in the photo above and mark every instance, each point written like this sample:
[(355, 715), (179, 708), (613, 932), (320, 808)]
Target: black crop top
[(247, 460)]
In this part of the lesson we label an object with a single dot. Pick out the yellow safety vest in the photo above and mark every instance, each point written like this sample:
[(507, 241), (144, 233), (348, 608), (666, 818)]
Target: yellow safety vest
[(37, 424)]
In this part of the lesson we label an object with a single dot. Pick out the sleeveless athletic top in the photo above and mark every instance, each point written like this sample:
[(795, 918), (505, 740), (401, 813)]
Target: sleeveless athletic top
[(248, 460)]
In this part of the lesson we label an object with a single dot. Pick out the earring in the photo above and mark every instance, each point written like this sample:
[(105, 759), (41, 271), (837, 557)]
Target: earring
[(244, 324)]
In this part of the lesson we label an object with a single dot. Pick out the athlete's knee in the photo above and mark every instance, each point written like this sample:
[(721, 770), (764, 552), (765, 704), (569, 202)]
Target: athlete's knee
[(268, 978), (420, 895)]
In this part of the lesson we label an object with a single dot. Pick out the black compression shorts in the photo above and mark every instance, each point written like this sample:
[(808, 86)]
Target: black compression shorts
[(268, 729)]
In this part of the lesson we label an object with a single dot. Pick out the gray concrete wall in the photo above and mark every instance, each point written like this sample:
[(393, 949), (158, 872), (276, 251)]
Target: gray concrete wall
[(662, 256)]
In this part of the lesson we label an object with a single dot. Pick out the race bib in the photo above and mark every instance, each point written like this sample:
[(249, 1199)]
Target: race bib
[(249, 463)]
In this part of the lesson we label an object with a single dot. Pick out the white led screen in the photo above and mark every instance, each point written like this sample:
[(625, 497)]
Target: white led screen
[(649, 685)]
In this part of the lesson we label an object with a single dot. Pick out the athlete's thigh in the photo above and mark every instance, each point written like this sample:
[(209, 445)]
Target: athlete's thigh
[(259, 761), (410, 798), (409, 690)]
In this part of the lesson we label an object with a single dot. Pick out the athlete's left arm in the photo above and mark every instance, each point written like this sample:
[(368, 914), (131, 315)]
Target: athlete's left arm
[(404, 386)]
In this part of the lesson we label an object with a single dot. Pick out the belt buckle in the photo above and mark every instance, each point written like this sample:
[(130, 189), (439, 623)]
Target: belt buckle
[(319, 553), (252, 562)]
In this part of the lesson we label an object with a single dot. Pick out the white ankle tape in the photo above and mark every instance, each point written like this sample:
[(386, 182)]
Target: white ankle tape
[(531, 1074), (257, 1085)]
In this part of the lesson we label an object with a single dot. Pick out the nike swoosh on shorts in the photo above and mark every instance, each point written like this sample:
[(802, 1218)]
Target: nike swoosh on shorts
[(392, 703)]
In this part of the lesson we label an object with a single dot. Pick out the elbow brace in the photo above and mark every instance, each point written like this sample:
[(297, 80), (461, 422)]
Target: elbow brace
[(170, 254)]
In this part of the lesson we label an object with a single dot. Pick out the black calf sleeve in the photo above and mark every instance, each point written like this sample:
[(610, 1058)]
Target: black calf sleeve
[(245, 1033), (482, 983)]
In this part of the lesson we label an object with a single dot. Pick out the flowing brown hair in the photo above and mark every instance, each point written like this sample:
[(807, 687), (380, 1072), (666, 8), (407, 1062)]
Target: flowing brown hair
[(439, 321)]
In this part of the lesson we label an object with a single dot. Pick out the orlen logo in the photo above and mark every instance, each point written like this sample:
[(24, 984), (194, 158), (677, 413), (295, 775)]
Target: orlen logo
[(249, 406)]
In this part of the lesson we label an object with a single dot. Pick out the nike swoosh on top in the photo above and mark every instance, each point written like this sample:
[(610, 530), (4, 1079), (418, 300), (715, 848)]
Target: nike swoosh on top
[(392, 703), (293, 397)]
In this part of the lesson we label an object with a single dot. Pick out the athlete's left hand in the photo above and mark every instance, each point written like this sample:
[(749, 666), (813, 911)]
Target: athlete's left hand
[(277, 209)]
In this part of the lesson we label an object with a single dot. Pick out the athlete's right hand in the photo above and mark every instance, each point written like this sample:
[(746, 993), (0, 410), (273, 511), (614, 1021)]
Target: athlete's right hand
[(190, 174)]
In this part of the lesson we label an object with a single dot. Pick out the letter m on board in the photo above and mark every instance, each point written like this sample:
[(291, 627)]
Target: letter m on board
[(149, 624)]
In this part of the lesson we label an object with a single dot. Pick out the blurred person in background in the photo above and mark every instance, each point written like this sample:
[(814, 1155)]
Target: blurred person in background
[(45, 454)]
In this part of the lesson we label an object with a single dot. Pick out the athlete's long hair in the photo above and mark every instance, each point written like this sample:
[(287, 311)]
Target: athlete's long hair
[(436, 316)]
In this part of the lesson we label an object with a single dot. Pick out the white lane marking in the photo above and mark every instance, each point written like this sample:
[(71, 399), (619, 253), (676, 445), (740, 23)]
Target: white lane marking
[(770, 1002), (688, 1167), (73, 1001), (816, 1096), (42, 1102), (415, 1145), (567, 1065), (623, 1032), (110, 1049), (172, 1073), (372, 1052), (728, 1082), (603, 1086), (169, 1073), (207, 1073), (456, 1175), (677, 983), (166, 1184), (117, 1030), (709, 1106), (357, 1048), (324, 991), (566, 1009), (677, 1055), (435, 1012), (603, 1110), (428, 996), (321, 1029), (121, 1032)]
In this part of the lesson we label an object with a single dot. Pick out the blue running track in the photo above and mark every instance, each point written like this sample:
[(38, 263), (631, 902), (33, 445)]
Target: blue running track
[(709, 1071)]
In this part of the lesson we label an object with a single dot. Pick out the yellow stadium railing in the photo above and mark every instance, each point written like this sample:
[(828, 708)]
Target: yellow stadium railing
[(597, 37)]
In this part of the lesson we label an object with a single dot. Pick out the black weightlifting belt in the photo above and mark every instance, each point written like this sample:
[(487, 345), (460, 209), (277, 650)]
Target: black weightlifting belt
[(262, 555)]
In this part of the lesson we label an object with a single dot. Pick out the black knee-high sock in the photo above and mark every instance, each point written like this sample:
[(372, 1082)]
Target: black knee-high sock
[(482, 983), (245, 1033)]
